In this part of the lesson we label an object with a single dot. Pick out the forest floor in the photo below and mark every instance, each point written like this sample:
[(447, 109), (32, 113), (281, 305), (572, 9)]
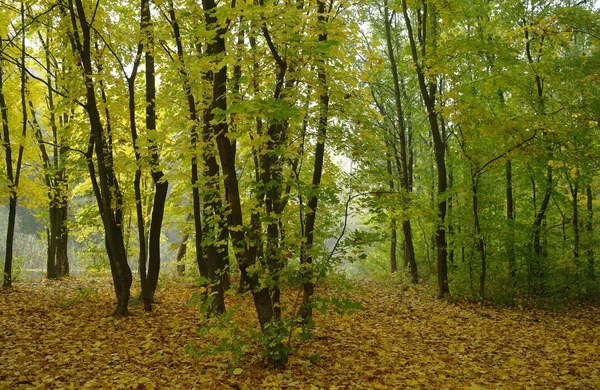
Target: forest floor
[(59, 334)]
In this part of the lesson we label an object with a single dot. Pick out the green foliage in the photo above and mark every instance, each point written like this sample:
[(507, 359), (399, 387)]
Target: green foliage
[(86, 292), (342, 306), (232, 335), (94, 260), (228, 336), (17, 268)]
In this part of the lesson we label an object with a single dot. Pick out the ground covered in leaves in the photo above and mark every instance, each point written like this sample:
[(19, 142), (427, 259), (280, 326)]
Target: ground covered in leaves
[(58, 334)]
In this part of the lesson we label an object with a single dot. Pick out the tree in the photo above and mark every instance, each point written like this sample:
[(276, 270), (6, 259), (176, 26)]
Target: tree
[(149, 279), (55, 162), (401, 129), (306, 257), (428, 85), (102, 174), (13, 168)]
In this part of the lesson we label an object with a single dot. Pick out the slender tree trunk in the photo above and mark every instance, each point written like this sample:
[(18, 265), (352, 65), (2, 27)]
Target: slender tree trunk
[(139, 209), (216, 251), (62, 242), (479, 235), (510, 218), (393, 227), (409, 251), (590, 231), (538, 248), (214, 222), (105, 189), (307, 259), (59, 204), (57, 264), (150, 281), (451, 233), (540, 216), (58, 260), (574, 188), (429, 93), (13, 175), (10, 235), (212, 257), (271, 188), (255, 250), (266, 298), (182, 250), (181, 254), (393, 246), (193, 115)]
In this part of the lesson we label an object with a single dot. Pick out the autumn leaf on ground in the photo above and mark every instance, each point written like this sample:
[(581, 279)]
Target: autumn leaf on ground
[(52, 336)]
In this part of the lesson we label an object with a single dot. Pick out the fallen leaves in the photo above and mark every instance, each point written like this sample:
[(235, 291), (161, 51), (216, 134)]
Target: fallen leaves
[(58, 335)]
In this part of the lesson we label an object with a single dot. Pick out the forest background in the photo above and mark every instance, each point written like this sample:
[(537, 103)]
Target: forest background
[(264, 144)]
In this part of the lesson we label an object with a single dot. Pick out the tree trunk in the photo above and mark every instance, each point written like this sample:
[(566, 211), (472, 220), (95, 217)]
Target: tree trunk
[(450, 234), (62, 242), (139, 211), (510, 218), (105, 187), (181, 254), (306, 260), (12, 175), (409, 251), (590, 231), (56, 181), (10, 235), (216, 249), (393, 227), (182, 250), (429, 93), (478, 235), (393, 246), (574, 188), (214, 222), (538, 248), (57, 262), (193, 115), (150, 281)]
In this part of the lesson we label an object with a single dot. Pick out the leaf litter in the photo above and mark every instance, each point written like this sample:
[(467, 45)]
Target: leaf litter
[(58, 335)]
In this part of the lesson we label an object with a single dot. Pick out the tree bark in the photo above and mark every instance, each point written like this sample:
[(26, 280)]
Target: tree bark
[(574, 188), (182, 250), (510, 218), (57, 263), (393, 227), (105, 189), (13, 174), (306, 258), (216, 253), (538, 248), (428, 93), (590, 232), (193, 115), (150, 280), (478, 235), (409, 251)]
